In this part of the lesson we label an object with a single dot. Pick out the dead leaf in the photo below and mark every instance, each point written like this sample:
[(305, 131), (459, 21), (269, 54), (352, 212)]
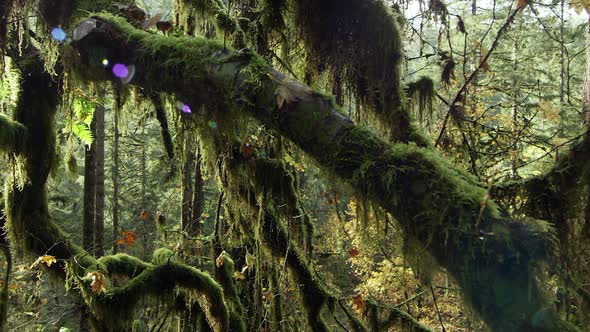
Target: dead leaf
[(358, 303), (165, 26), (522, 3), (353, 252), (47, 259), (144, 215), (220, 260), (152, 21), (97, 282), (128, 238)]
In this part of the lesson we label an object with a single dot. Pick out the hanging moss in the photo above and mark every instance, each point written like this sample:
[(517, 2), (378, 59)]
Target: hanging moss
[(12, 135), (216, 10), (359, 43), (422, 93), (273, 12), (5, 9), (162, 119)]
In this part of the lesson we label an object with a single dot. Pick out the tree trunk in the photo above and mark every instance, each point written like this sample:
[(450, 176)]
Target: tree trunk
[(144, 223), (187, 185), (99, 185), (115, 173), (198, 194), (89, 193), (586, 89)]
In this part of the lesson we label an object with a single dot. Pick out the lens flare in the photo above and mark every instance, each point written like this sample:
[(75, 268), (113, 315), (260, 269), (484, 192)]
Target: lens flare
[(212, 124), (120, 70), (58, 34), (105, 62)]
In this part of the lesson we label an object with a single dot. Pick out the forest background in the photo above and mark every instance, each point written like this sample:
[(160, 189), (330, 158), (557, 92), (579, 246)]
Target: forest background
[(163, 184)]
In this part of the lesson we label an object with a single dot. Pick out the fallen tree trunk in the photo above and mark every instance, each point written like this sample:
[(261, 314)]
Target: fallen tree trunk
[(491, 257)]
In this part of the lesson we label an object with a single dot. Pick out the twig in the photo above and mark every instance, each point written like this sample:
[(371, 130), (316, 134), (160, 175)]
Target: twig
[(437, 311), (474, 73)]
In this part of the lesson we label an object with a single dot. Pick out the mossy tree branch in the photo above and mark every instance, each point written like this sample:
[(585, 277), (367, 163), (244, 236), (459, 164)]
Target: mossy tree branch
[(490, 257), (114, 307)]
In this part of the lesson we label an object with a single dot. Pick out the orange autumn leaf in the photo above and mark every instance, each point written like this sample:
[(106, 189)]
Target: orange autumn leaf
[(128, 238), (98, 282)]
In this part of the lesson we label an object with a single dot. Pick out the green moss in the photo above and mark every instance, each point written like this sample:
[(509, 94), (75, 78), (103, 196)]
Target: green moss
[(13, 135), (116, 306), (217, 11), (422, 93), (364, 33), (123, 264), (225, 275), (162, 256)]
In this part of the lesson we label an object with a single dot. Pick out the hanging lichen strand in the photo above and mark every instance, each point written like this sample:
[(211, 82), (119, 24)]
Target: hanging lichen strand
[(432, 201), (422, 93), (214, 10), (359, 42)]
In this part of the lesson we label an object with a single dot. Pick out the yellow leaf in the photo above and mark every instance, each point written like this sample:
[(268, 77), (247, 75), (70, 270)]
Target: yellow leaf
[(239, 276), (220, 260), (47, 259), (97, 282)]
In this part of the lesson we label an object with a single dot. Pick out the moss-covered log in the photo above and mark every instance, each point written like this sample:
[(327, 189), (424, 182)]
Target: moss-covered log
[(491, 257)]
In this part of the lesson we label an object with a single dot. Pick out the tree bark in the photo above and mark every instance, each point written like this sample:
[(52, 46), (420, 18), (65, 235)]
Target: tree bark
[(144, 223), (187, 185), (99, 185), (89, 193), (441, 207), (115, 173), (198, 194)]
